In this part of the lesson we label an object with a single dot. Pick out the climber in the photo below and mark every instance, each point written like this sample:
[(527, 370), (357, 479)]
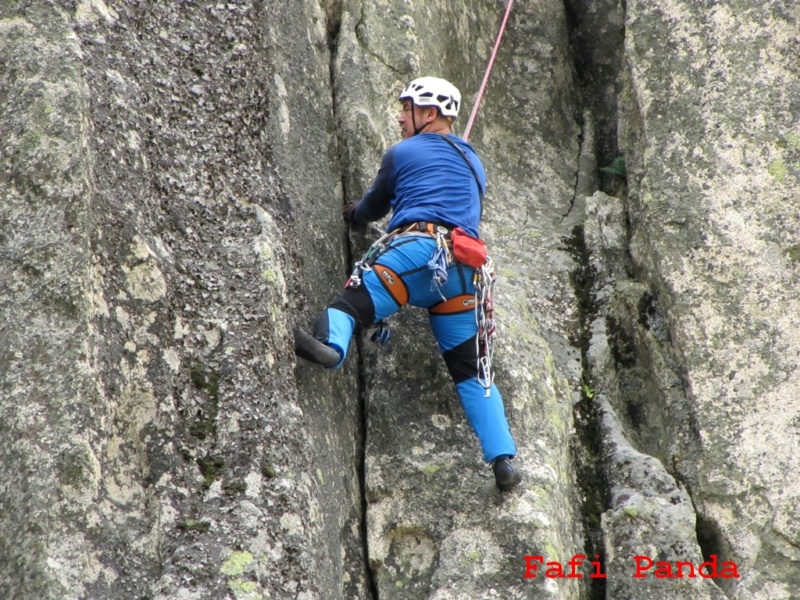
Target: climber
[(433, 182)]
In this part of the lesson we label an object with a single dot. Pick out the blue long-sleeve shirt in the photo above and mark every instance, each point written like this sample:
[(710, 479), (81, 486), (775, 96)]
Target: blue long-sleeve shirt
[(423, 178)]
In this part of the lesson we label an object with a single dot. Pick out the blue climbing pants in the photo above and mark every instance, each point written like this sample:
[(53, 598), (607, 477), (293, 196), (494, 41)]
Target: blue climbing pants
[(400, 276)]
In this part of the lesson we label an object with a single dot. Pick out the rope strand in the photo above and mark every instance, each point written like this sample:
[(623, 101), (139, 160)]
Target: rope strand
[(488, 70)]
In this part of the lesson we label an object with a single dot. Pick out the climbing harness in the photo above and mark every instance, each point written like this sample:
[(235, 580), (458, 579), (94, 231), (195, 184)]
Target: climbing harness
[(382, 334), (440, 260), (484, 281), (488, 70)]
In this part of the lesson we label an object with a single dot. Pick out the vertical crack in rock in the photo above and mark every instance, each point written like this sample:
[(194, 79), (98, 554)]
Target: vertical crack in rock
[(587, 446), (362, 469), (711, 541), (598, 143), (334, 22)]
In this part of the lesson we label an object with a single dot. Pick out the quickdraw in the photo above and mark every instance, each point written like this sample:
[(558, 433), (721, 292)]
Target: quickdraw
[(382, 334), (366, 262), (484, 281), (441, 259)]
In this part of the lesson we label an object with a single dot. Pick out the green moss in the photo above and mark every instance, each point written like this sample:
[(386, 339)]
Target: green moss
[(237, 563), (207, 381), (234, 568), (249, 588), (235, 487), (203, 428), (268, 471), (617, 167), (29, 143), (72, 468), (430, 469), (793, 253), (551, 552), (777, 168), (212, 468), (631, 511), (792, 140), (194, 525)]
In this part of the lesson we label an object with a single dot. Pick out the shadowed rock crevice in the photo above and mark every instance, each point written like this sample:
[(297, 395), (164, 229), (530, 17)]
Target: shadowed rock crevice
[(712, 545), (587, 445), (371, 585), (671, 313), (334, 25), (597, 33), (596, 56)]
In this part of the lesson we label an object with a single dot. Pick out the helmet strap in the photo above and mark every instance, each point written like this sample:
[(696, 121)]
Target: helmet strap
[(417, 130), (414, 119)]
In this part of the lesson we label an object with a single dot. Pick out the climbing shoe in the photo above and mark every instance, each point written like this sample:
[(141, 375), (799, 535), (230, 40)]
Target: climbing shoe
[(505, 475), (310, 348)]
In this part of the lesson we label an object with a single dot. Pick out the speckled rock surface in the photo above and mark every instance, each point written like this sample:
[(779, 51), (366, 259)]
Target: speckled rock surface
[(159, 440), (712, 133)]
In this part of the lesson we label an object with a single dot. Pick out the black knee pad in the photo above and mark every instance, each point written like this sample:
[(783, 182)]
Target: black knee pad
[(356, 302), (462, 361)]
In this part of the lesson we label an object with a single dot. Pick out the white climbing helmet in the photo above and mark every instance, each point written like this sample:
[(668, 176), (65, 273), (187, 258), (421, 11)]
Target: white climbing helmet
[(433, 91)]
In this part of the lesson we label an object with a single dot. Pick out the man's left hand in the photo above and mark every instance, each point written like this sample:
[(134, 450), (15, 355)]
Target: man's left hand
[(349, 211)]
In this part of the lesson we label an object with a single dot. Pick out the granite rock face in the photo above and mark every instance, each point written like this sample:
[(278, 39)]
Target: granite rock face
[(171, 183), (712, 135)]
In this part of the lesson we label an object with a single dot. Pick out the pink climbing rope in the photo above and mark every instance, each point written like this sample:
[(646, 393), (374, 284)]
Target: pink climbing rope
[(488, 70)]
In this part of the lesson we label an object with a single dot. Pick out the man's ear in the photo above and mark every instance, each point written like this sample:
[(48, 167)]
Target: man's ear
[(431, 113)]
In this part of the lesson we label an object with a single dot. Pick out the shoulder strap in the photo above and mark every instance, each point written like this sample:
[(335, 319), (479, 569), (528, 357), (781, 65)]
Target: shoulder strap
[(469, 164)]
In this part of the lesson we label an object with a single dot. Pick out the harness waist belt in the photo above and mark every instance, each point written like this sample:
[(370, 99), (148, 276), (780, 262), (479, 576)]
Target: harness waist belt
[(429, 228)]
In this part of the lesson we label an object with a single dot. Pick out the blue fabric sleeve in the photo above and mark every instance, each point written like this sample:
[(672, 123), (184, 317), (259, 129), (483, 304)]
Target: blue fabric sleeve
[(377, 202)]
